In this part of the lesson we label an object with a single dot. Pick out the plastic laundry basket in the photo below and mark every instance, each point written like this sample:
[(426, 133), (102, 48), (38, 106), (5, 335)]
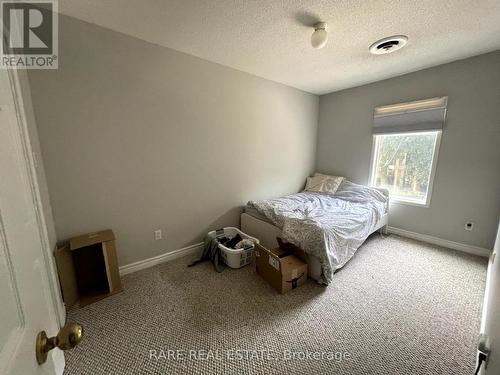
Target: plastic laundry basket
[(234, 258)]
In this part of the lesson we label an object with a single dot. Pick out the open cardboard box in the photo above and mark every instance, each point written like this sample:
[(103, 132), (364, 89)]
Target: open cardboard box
[(285, 268), (88, 268)]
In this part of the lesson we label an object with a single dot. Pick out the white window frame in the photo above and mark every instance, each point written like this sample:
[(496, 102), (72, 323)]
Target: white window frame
[(435, 155)]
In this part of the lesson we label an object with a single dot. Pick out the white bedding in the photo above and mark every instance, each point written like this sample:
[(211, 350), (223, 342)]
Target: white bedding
[(329, 226)]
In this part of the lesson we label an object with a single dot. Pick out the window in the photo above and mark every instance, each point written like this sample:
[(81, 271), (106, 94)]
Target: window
[(404, 163), (406, 141)]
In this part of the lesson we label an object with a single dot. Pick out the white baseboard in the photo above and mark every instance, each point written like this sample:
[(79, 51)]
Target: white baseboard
[(441, 242), (150, 262), (196, 248)]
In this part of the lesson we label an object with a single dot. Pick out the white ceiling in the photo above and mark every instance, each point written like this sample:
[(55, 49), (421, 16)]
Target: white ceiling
[(271, 38)]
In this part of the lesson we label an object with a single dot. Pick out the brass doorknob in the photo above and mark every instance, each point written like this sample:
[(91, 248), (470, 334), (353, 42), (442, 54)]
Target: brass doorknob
[(68, 337)]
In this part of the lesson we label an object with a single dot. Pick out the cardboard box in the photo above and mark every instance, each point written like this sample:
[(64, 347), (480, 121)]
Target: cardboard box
[(88, 268), (285, 268)]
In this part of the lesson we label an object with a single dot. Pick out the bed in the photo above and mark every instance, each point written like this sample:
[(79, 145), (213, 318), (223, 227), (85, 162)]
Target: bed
[(329, 227)]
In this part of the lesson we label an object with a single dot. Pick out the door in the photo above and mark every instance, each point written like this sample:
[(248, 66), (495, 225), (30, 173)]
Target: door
[(27, 303), (490, 322)]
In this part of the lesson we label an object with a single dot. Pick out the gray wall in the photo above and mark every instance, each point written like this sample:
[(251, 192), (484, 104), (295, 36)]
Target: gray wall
[(137, 137), (467, 181)]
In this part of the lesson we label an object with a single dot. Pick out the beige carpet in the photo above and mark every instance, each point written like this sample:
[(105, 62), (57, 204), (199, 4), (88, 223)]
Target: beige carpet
[(398, 307)]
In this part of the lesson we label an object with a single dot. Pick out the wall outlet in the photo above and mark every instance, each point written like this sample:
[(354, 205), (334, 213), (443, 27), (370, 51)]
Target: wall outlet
[(158, 234), (469, 225)]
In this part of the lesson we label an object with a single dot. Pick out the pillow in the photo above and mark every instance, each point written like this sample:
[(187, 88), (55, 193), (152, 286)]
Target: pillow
[(322, 183)]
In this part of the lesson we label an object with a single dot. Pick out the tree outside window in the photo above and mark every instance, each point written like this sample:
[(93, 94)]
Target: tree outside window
[(403, 164)]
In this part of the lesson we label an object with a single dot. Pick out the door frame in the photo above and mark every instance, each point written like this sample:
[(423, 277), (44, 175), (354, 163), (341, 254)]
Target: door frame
[(25, 121)]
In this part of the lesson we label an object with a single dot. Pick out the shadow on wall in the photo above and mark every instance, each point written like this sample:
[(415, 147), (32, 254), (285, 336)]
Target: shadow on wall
[(230, 218)]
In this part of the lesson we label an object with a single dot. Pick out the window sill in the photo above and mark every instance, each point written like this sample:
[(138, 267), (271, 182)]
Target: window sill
[(409, 202)]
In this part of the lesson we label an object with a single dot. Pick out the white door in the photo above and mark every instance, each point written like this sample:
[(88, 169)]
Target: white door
[(490, 323), (27, 305)]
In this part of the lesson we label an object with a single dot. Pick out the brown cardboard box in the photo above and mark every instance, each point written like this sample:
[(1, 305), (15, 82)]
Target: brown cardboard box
[(88, 268), (284, 268)]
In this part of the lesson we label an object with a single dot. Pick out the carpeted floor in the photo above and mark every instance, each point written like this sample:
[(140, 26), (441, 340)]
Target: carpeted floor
[(398, 307)]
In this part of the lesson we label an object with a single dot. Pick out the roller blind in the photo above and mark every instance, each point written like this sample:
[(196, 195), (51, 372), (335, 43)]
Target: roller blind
[(421, 115)]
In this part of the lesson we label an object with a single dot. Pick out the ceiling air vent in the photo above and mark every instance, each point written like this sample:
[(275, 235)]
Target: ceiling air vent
[(388, 45)]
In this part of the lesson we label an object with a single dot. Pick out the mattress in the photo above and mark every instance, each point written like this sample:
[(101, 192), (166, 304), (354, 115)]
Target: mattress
[(330, 227), (252, 211)]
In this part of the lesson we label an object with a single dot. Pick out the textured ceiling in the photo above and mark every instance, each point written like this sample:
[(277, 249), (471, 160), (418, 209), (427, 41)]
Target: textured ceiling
[(271, 38)]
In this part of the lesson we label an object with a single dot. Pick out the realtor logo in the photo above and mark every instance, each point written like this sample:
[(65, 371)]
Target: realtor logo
[(29, 34)]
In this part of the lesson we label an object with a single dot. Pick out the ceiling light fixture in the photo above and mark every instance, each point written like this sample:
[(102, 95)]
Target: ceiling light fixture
[(320, 36), (388, 45)]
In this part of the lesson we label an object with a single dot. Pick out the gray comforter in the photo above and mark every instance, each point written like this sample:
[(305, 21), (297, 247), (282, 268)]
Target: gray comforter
[(329, 226)]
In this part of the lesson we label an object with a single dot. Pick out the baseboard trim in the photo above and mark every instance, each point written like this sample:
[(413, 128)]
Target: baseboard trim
[(441, 242), (196, 248), (150, 262)]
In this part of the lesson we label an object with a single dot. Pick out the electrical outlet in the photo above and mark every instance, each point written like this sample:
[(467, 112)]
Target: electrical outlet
[(469, 225), (158, 234)]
